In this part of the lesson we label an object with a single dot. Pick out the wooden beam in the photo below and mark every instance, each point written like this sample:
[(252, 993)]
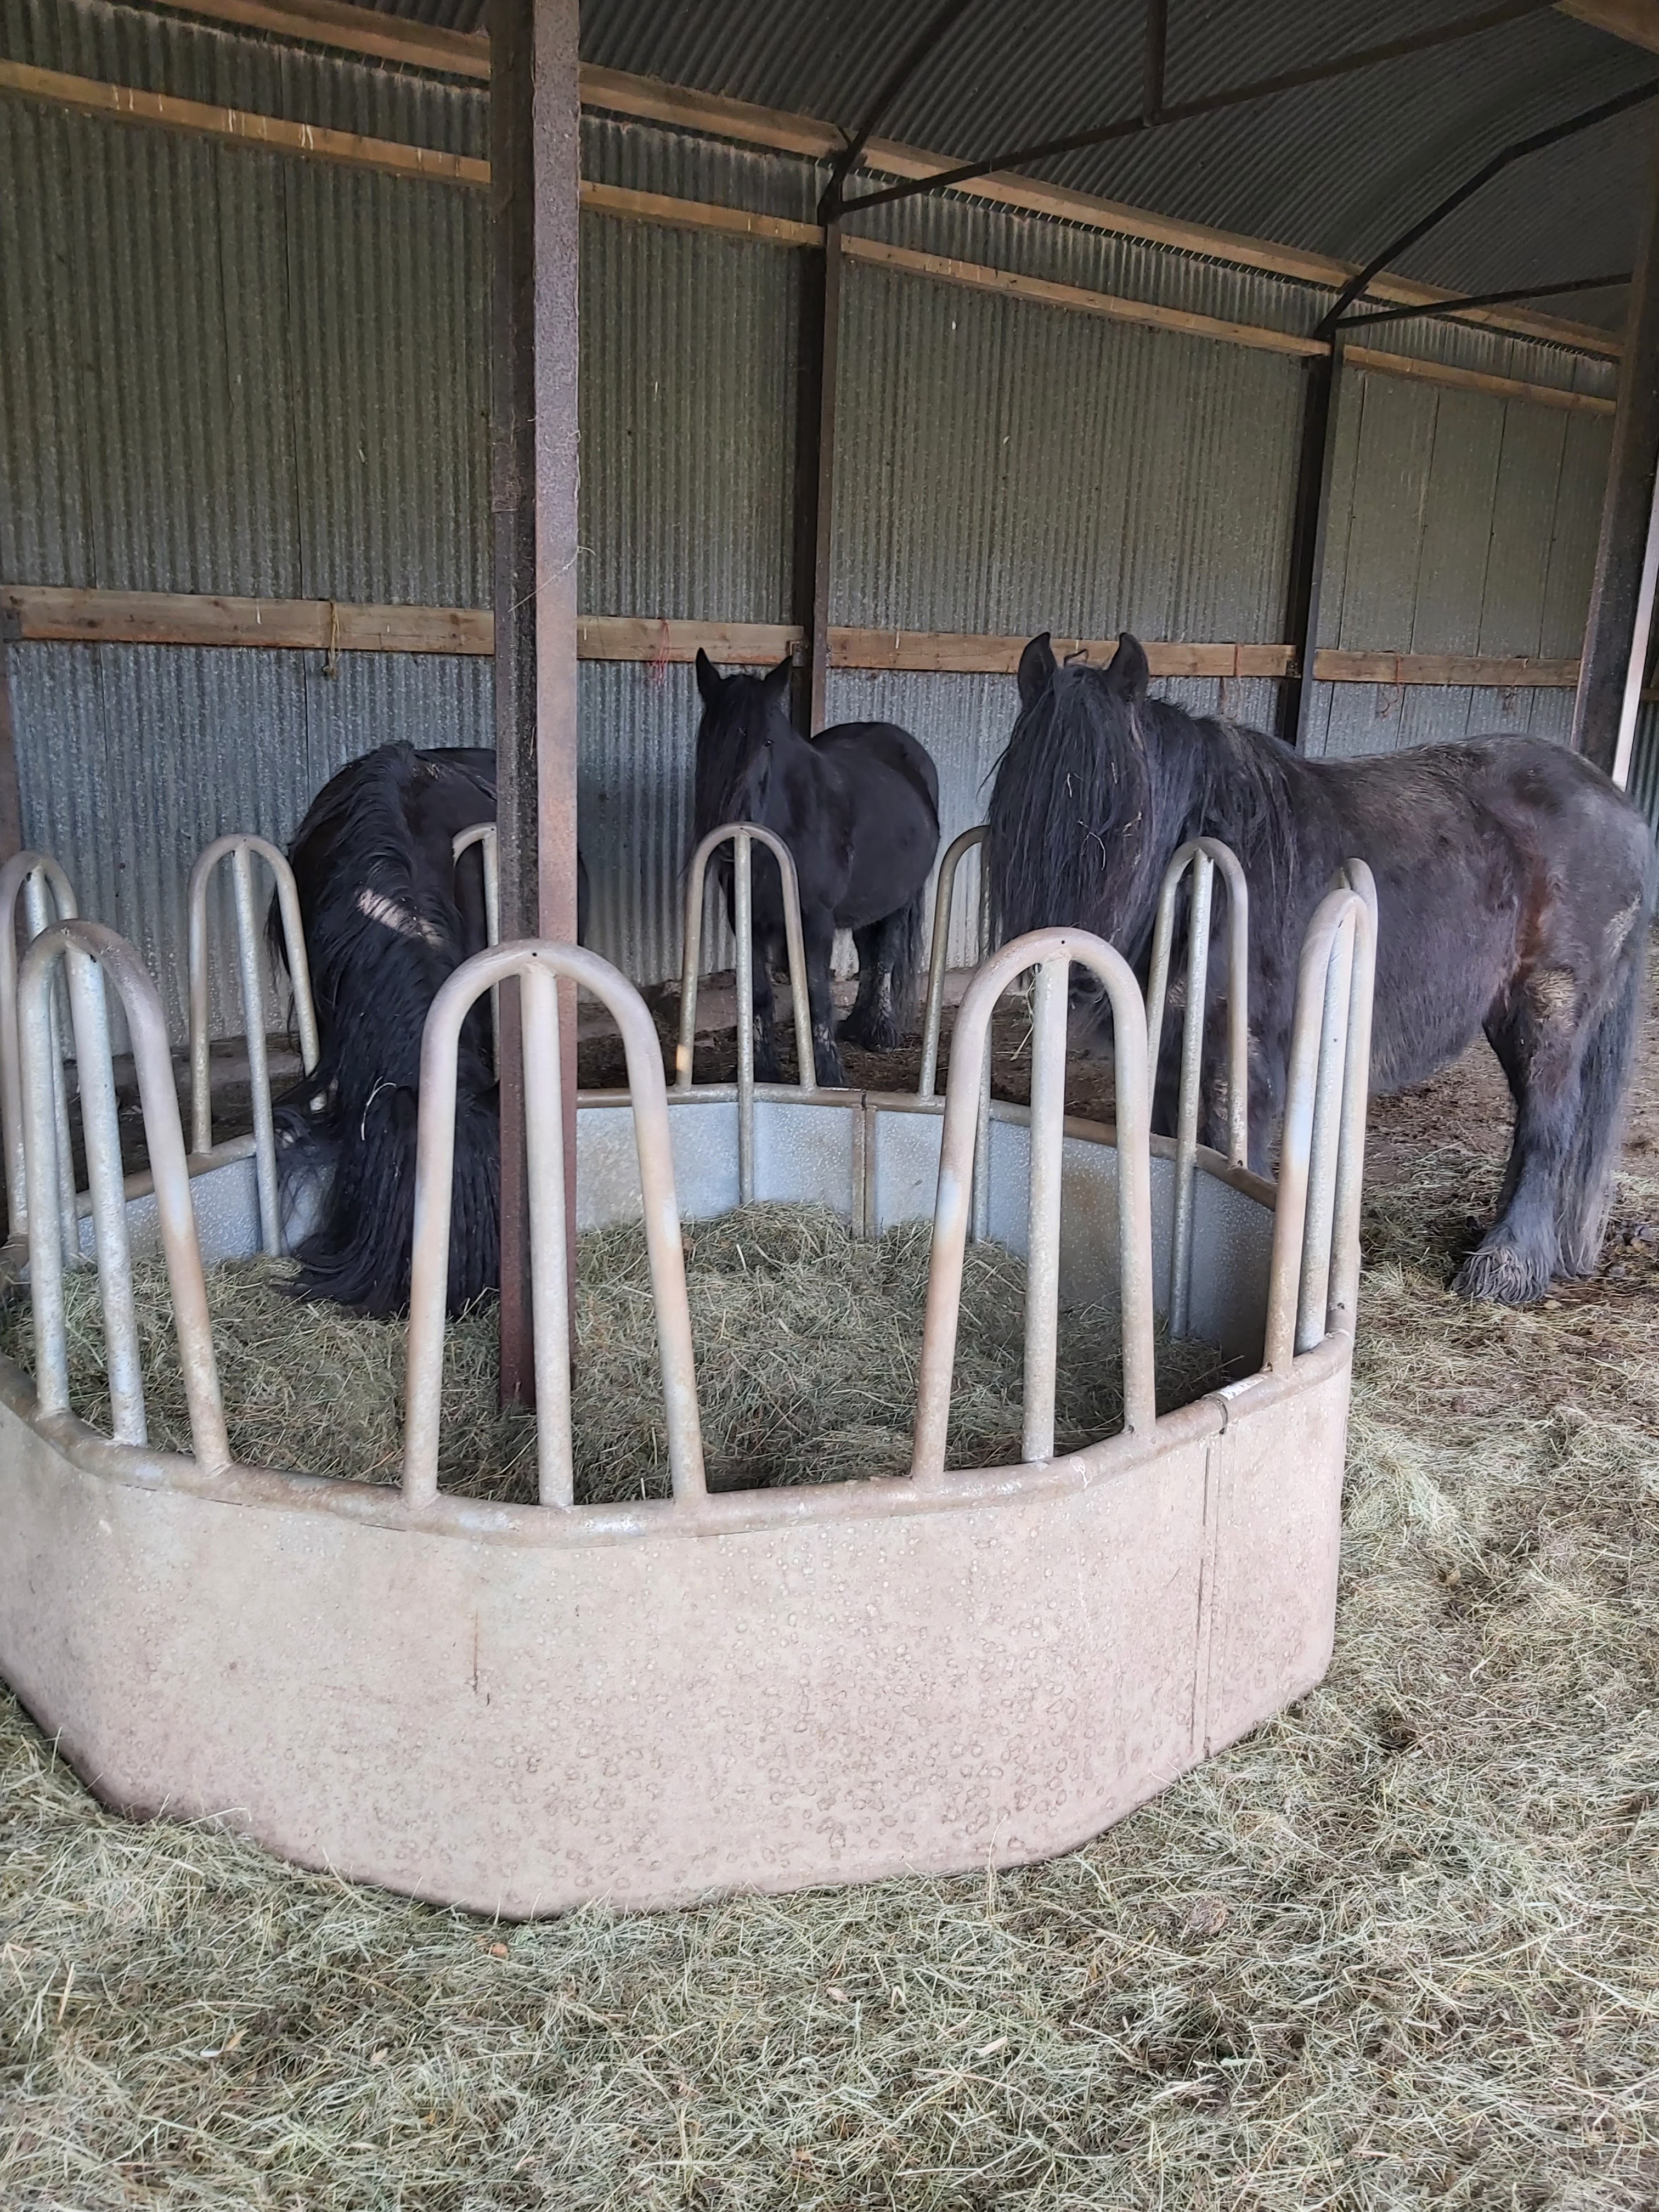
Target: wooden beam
[(355, 30), (978, 276), (964, 652), (59, 614), (1635, 22), (1474, 379), (121, 103), (1468, 671), (659, 641), (646, 100), (697, 214)]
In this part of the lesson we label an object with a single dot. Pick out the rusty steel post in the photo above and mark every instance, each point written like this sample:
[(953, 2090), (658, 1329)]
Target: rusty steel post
[(11, 803), (534, 126)]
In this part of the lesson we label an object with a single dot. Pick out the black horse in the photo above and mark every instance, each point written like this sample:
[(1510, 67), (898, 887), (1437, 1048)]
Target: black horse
[(858, 807), (1515, 885), (388, 918)]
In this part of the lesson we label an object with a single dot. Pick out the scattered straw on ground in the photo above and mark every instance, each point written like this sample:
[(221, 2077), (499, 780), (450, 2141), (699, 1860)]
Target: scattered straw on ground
[(806, 1341), (1397, 1949)]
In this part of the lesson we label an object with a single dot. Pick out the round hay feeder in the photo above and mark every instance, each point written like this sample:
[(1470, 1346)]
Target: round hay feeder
[(521, 1708)]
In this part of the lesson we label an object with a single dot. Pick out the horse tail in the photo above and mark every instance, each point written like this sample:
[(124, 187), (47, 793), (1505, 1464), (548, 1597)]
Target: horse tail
[(1585, 1197), (353, 1190), (907, 941)]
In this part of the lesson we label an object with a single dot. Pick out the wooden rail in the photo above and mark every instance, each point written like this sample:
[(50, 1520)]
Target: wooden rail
[(50, 613)]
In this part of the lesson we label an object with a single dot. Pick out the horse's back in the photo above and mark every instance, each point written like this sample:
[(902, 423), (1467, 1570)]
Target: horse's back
[(857, 747)]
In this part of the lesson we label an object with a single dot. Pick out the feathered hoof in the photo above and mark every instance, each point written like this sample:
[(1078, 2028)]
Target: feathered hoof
[(830, 1073), (1500, 1275), (879, 1033)]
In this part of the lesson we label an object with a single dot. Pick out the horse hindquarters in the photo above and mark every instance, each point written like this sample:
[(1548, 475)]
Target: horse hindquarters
[(1567, 1062)]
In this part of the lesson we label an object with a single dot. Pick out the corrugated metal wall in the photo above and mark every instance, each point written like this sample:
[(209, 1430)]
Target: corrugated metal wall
[(1460, 522), (226, 370)]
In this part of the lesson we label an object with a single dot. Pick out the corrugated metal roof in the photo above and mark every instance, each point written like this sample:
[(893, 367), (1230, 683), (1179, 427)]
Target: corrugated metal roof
[(1337, 168)]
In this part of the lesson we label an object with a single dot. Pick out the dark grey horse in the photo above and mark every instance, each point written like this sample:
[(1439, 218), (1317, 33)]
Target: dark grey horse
[(1515, 885)]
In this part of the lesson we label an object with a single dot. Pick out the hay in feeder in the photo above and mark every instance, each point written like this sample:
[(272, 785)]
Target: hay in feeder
[(806, 1341)]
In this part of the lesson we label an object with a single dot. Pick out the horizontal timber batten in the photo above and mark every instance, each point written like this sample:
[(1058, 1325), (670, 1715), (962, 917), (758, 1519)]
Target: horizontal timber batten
[(59, 614), (379, 37), (237, 125), (1474, 379), (979, 276)]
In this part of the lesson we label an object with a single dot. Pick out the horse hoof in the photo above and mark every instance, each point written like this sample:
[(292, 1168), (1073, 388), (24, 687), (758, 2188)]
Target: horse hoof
[(1500, 1276), (831, 1075), (876, 1035)]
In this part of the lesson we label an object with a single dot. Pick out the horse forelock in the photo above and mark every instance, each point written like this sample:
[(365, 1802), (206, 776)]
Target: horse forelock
[(1075, 813), (731, 737)]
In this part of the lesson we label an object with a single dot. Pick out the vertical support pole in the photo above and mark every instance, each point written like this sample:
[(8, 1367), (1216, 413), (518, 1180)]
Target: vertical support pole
[(1308, 528), (1641, 643), (1610, 630), (535, 121), (815, 468), (11, 803)]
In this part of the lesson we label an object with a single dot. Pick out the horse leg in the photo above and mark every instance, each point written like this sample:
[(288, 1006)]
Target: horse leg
[(769, 1068), (1539, 1045), (819, 931), (862, 1026)]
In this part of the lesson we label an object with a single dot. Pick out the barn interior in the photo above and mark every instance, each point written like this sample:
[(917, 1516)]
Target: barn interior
[(268, 267)]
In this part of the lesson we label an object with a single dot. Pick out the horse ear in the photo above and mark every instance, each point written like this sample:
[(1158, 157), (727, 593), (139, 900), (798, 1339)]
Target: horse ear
[(1037, 667), (776, 680), (1129, 673), (710, 682)]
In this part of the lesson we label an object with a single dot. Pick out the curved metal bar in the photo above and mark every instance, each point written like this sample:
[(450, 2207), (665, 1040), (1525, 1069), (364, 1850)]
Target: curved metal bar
[(34, 875), (1343, 1309), (926, 1085), (1314, 1283), (944, 895), (1203, 855), (1052, 951), (1238, 980), (238, 847), (743, 835), (84, 944), (537, 965), (484, 835)]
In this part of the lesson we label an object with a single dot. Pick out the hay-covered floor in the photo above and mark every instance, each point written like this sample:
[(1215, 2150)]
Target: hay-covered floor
[(1398, 1948)]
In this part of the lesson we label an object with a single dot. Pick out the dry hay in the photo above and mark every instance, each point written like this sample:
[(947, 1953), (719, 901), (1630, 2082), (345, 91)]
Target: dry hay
[(1397, 1948), (806, 1341)]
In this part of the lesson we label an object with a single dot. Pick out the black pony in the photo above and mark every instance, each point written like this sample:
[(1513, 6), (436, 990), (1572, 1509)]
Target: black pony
[(388, 918), (1515, 885), (858, 807)]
